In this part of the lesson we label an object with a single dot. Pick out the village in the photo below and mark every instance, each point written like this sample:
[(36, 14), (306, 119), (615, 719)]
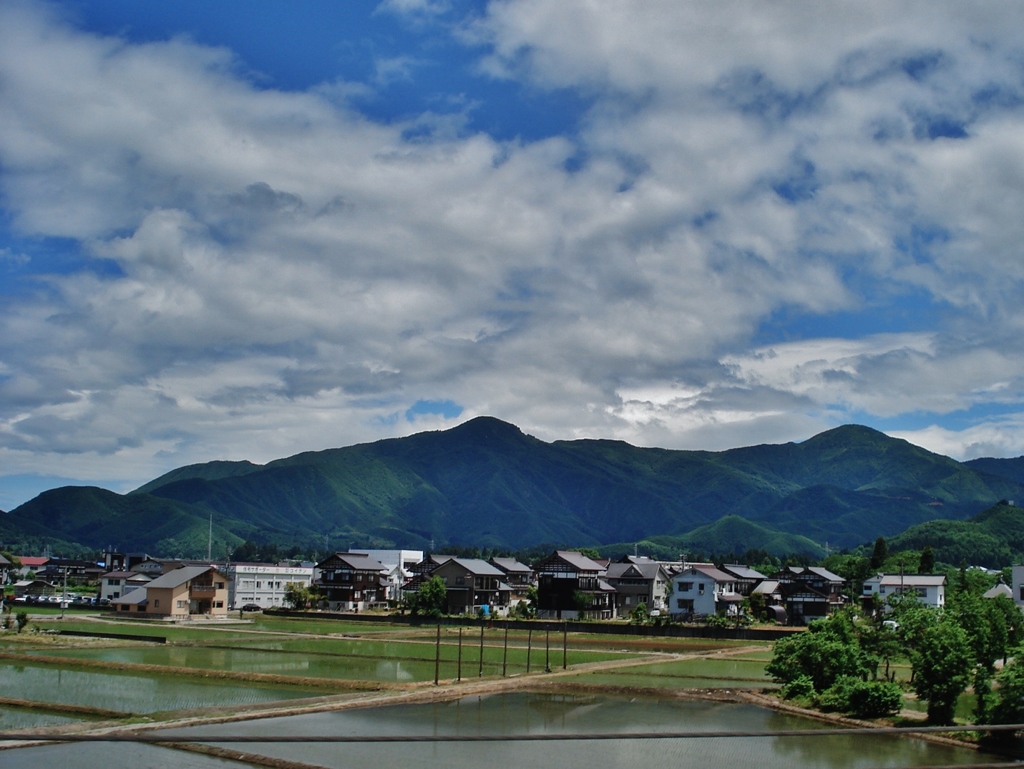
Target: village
[(565, 585)]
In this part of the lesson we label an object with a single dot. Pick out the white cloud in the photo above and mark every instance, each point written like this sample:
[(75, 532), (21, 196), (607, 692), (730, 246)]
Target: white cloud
[(293, 274)]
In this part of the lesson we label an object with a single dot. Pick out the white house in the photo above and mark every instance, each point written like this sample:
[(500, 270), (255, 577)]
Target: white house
[(117, 584), (262, 584), (930, 589), (702, 589)]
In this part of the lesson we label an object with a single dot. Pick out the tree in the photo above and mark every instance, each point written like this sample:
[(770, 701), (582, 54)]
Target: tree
[(757, 606), (878, 556), (639, 614), (1008, 707), (296, 595), (826, 652), (431, 599), (943, 665), (927, 563)]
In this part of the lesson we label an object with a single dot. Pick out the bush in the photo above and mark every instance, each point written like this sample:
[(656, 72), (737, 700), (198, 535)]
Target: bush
[(22, 619), (801, 688), (862, 699)]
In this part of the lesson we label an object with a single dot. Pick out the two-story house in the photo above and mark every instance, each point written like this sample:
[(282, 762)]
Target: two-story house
[(570, 585), (351, 582), (185, 593), (115, 584), (473, 585), (518, 576), (809, 592), (638, 580), (702, 590), (929, 589)]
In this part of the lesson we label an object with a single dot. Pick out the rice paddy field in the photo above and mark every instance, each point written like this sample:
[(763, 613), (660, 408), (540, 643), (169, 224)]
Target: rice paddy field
[(130, 674)]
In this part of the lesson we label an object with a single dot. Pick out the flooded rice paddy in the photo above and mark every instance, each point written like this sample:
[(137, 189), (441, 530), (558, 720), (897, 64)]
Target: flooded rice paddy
[(133, 693)]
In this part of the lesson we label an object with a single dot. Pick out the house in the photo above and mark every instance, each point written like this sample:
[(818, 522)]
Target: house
[(185, 593), (115, 584), (518, 576), (637, 581), (351, 582), (703, 590), (1017, 580), (809, 592), (33, 587), (930, 589), (473, 585), (746, 578), (263, 584), (76, 572), (31, 564), (570, 585), (999, 589), (773, 601), (398, 565)]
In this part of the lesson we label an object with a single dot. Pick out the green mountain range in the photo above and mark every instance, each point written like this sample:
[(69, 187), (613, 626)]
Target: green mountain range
[(485, 483)]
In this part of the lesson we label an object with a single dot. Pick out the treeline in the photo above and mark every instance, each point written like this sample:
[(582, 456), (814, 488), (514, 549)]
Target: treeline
[(846, 663)]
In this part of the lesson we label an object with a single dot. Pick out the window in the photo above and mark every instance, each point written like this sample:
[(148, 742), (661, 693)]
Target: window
[(259, 585), (460, 580), (686, 604), (700, 588), (218, 604), (156, 603), (685, 587), (181, 604), (358, 595), (219, 585)]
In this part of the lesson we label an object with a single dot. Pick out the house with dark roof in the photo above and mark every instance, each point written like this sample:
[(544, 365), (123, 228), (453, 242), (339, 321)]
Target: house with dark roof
[(572, 586), (809, 592), (186, 593), (638, 580), (473, 585), (746, 578), (351, 581)]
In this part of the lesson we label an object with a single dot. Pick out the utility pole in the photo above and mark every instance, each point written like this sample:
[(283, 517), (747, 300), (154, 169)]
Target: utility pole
[(64, 593)]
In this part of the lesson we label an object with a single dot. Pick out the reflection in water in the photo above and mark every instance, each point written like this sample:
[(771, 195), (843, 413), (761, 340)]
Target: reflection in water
[(131, 693), (554, 714)]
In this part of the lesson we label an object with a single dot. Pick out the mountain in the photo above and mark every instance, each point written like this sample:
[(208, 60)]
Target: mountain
[(993, 538), (486, 483)]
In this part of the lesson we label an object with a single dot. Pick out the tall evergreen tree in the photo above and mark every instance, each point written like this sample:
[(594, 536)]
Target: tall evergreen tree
[(927, 563), (879, 555)]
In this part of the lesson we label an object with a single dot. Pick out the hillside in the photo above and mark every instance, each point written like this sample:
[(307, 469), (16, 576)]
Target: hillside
[(992, 538), (486, 483)]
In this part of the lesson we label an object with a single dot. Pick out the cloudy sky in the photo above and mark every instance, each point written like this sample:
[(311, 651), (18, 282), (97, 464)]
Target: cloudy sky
[(240, 231)]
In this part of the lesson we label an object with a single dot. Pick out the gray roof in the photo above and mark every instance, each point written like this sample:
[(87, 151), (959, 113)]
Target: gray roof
[(479, 567), (137, 596), (823, 572), (579, 561), (743, 572), (913, 580), (715, 573), (179, 576), (647, 570), (355, 561), (4, 561), (768, 587), (511, 565), (998, 590)]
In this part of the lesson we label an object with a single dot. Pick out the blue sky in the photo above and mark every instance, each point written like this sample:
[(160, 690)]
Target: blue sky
[(241, 235)]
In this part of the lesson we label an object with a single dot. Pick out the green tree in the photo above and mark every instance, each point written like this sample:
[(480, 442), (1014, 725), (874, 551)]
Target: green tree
[(757, 606), (878, 555), (927, 563), (21, 618), (582, 602), (943, 666), (639, 615), (824, 653), (296, 595), (432, 598), (1008, 705)]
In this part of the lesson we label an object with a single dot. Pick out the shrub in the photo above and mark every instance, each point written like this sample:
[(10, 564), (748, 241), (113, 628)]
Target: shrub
[(862, 699), (801, 688)]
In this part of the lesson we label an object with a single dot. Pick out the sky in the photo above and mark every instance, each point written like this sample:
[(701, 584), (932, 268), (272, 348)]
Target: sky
[(241, 231)]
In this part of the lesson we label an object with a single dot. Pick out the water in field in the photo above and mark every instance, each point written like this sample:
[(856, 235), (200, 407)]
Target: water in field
[(534, 714), (684, 674), (334, 659), (132, 693), (19, 718), (548, 714)]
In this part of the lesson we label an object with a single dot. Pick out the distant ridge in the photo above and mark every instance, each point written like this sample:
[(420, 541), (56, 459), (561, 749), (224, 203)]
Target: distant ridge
[(486, 483)]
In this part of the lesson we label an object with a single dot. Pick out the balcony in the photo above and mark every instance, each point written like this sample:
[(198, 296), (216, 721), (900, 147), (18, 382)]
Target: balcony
[(202, 590)]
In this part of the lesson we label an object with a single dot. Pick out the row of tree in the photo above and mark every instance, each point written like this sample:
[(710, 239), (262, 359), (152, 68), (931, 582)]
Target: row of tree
[(846, 662)]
